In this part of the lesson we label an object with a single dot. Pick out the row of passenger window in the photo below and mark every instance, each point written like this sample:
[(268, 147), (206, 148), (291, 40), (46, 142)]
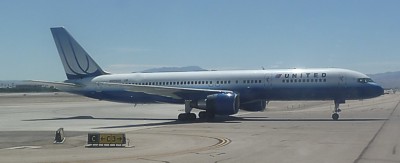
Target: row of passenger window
[(173, 83), (251, 81), (196, 82), (302, 80)]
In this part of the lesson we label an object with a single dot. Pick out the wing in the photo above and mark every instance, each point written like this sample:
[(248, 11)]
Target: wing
[(48, 83), (172, 92)]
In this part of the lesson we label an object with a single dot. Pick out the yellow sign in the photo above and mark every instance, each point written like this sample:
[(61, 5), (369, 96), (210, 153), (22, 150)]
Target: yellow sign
[(112, 138)]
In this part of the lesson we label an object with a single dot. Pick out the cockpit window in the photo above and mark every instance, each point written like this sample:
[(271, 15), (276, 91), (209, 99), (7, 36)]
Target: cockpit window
[(364, 80)]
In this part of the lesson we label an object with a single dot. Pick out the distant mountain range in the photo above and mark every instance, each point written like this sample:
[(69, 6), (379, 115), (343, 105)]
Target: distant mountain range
[(387, 80), (175, 69)]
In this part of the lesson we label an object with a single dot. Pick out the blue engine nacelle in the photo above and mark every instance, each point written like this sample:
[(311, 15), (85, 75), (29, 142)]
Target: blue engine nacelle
[(259, 105), (223, 103)]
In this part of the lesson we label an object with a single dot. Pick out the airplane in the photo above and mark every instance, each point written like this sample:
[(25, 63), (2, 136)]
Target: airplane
[(213, 92)]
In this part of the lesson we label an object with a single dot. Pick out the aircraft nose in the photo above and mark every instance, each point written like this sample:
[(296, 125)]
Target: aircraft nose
[(375, 90)]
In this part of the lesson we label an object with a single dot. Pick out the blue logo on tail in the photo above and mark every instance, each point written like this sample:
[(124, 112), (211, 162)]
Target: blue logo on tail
[(77, 62)]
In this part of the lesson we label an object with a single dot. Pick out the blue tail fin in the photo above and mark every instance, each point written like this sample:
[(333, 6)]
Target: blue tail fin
[(77, 62)]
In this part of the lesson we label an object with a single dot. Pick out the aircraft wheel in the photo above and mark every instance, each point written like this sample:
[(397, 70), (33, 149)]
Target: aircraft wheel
[(192, 116), (182, 117), (335, 116), (202, 115), (210, 115), (187, 117)]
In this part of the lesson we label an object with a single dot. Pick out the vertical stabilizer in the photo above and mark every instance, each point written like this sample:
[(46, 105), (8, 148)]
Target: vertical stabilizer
[(77, 62)]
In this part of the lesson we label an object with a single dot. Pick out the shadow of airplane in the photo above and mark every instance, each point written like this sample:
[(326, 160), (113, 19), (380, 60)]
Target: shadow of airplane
[(218, 119), (91, 117)]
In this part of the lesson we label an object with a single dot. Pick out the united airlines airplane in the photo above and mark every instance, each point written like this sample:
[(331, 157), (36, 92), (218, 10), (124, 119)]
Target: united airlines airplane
[(214, 92)]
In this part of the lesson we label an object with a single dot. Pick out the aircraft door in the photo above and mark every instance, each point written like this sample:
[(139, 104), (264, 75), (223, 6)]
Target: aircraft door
[(342, 85), (98, 87), (342, 82), (268, 80)]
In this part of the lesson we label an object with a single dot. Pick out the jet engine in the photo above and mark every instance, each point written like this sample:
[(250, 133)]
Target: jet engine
[(219, 104)]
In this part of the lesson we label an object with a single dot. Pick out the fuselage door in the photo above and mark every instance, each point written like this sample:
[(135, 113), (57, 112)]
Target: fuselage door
[(268, 80), (98, 87), (342, 81)]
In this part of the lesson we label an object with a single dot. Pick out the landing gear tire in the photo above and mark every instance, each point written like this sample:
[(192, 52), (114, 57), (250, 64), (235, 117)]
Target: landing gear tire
[(202, 115), (187, 117), (335, 116), (205, 115), (336, 110), (210, 116)]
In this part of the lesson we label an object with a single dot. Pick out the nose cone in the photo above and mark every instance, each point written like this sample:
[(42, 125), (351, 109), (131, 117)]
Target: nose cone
[(374, 90)]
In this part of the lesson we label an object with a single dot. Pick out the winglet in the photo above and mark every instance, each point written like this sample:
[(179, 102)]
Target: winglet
[(77, 62)]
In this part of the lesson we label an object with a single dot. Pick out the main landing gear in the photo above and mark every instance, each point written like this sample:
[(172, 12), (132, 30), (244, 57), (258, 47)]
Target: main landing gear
[(187, 116), (336, 110), (206, 115)]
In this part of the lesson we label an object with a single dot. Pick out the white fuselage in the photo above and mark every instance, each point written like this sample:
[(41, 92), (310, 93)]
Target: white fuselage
[(280, 84)]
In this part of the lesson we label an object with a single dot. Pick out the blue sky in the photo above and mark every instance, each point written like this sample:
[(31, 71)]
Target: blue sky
[(126, 36)]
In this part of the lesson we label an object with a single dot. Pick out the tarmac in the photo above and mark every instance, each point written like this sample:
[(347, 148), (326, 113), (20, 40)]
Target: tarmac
[(297, 131)]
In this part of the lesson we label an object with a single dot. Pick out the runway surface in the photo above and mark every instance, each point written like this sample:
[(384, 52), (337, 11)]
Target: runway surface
[(297, 131)]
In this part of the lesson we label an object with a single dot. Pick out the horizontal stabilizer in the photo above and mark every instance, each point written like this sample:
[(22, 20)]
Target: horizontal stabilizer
[(50, 84)]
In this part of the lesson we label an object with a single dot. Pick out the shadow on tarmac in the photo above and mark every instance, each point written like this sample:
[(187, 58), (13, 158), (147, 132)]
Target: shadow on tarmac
[(218, 119)]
